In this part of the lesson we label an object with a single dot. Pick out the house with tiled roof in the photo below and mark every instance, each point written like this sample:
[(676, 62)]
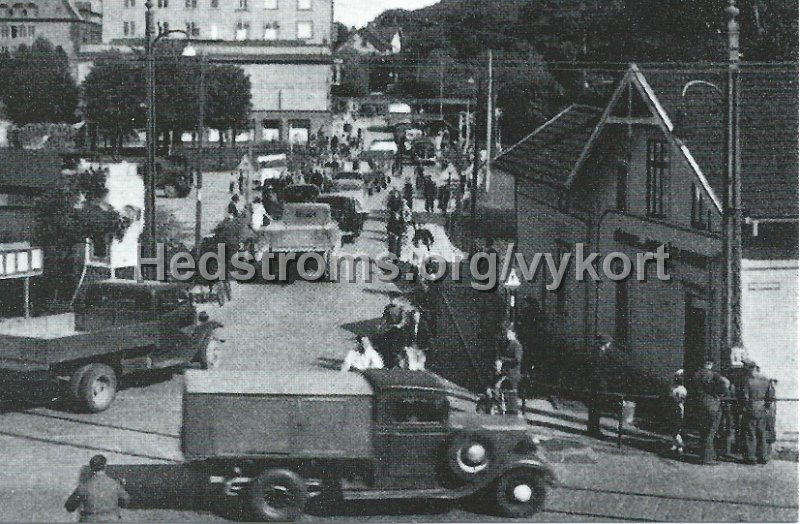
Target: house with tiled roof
[(373, 41), (65, 23), (648, 170)]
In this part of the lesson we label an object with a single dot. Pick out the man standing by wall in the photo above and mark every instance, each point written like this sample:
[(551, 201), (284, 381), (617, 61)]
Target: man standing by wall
[(756, 396), (99, 497), (707, 388)]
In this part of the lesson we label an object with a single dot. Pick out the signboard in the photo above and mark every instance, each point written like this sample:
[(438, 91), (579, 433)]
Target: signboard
[(21, 263)]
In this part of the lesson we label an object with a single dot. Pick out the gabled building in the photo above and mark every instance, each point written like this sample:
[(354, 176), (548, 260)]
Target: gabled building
[(373, 41), (648, 170), (66, 23)]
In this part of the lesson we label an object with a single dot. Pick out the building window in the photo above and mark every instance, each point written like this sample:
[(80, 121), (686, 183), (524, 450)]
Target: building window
[(163, 3), (191, 4), (271, 32), (242, 28), (101, 247), (14, 33), (243, 5), (214, 4), (622, 187), (129, 28), (270, 4), (272, 130), (657, 171), (305, 30), (192, 29), (701, 215), (23, 31), (4, 33), (303, 5), (31, 30), (622, 321), (130, 3)]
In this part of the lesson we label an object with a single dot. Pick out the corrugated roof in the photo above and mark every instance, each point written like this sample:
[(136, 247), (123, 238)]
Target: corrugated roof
[(308, 382), (768, 130), (551, 151), (28, 169)]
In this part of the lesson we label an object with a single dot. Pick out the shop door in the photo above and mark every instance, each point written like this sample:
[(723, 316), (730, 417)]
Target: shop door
[(694, 337)]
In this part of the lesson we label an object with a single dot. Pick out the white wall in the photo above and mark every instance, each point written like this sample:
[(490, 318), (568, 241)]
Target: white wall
[(769, 328)]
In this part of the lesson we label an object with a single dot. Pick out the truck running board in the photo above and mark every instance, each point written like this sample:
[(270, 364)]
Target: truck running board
[(377, 494)]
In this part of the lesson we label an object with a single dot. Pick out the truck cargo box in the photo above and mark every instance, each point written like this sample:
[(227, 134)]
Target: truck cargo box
[(313, 414)]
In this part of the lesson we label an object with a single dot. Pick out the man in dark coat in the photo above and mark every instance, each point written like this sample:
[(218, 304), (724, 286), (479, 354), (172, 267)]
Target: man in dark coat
[(509, 362), (756, 396), (599, 367), (99, 497), (707, 388)]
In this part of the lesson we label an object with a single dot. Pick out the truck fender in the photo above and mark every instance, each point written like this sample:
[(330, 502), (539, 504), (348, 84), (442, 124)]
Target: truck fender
[(538, 465)]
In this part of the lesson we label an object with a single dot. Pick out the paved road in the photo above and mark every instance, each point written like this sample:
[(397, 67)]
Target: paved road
[(288, 328)]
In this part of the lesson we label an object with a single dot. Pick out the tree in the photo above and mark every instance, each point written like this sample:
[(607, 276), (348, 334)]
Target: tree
[(114, 93), (340, 34), (38, 86), (228, 99)]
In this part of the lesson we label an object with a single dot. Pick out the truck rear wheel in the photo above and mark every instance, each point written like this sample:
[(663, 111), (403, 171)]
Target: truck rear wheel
[(520, 493), (277, 495), (98, 387)]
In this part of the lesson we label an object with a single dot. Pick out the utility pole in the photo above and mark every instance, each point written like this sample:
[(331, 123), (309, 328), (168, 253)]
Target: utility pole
[(150, 138), (441, 88), (489, 121), (201, 129), (732, 207)]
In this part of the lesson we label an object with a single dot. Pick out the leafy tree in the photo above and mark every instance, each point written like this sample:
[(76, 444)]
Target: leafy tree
[(228, 99), (38, 86), (114, 92)]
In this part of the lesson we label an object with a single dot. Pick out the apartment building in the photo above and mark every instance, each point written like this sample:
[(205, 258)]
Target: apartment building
[(306, 21), (65, 23)]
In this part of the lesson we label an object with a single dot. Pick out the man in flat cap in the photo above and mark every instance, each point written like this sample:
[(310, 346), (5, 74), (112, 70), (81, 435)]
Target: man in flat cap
[(756, 397), (708, 387), (99, 497)]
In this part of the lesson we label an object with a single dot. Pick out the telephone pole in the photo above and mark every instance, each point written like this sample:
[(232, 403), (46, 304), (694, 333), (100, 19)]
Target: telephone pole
[(489, 122)]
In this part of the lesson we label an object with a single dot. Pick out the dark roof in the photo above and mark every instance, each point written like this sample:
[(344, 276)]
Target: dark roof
[(549, 153), (27, 170), (380, 37), (382, 379), (768, 130)]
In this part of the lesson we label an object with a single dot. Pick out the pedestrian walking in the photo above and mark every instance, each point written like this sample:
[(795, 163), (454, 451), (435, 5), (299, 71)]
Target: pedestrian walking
[(450, 213), (394, 232), (98, 497), (757, 397), (509, 362), (677, 400), (233, 206), (429, 192), (408, 193), (707, 387), (241, 181), (420, 175), (232, 183), (599, 367)]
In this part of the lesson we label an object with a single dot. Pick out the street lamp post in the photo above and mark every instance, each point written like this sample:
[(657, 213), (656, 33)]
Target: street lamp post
[(511, 285), (149, 243)]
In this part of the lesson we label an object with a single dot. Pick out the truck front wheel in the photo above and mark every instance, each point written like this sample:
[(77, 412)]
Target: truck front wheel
[(97, 389), (277, 495), (520, 493)]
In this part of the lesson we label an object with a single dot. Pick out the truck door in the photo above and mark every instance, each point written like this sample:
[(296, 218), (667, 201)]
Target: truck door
[(410, 436), (173, 311)]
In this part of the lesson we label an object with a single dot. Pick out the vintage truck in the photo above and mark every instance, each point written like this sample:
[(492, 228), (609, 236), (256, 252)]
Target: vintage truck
[(303, 228), (279, 440), (122, 327)]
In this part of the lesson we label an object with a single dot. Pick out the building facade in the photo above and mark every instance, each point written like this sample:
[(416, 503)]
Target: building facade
[(66, 23), (307, 21), (648, 171)]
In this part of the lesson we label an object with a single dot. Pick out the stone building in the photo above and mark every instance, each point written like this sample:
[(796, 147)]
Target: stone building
[(66, 23)]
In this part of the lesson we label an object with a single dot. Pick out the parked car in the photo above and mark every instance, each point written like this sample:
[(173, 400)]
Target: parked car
[(346, 212), (423, 150), (122, 327), (299, 193), (352, 187), (278, 441), (384, 145)]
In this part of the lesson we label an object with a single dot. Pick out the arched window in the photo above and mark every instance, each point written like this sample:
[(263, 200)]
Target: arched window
[(19, 10), (33, 10)]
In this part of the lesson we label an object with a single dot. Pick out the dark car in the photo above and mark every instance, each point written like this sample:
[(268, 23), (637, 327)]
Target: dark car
[(423, 150), (280, 440), (344, 210), (299, 194)]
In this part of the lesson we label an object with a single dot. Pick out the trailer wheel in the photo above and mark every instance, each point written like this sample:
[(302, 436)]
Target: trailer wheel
[(520, 493), (277, 495), (98, 387)]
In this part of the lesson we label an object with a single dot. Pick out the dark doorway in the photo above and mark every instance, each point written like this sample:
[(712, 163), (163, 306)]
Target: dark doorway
[(694, 334)]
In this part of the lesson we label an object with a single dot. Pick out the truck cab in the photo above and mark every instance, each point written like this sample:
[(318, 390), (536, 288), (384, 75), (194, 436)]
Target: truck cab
[(262, 437)]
